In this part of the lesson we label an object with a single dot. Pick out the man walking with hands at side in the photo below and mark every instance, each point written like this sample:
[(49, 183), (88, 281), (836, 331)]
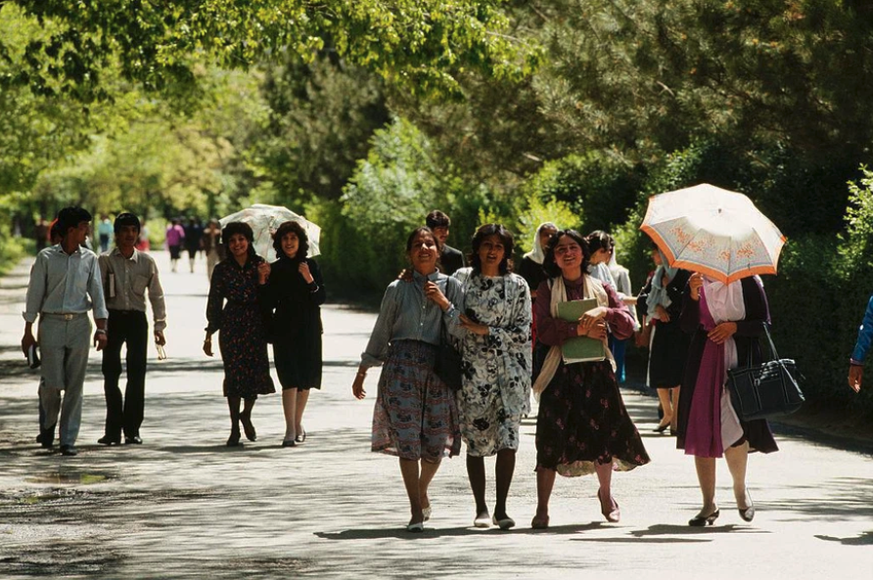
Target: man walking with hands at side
[(64, 285), (127, 273)]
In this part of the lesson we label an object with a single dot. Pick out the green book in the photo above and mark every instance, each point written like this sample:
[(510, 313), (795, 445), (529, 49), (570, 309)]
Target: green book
[(580, 348)]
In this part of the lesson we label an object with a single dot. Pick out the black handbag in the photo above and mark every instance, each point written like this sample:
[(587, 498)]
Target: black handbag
[(448, 362), (766, 390)]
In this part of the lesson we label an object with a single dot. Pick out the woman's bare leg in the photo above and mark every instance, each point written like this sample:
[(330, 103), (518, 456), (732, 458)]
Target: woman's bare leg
[(289, 406), (302, 399), (706, 478), (674, 423), (664, 399)]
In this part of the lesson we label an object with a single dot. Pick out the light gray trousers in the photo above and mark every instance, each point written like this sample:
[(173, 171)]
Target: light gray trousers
[(64, 345)]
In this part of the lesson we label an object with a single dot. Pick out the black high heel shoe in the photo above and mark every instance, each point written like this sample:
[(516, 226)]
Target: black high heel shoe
[(699, 521), (233, 440), (661, 428)]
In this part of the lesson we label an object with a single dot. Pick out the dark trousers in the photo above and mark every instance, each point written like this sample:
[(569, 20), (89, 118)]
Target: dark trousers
[(130, 327)]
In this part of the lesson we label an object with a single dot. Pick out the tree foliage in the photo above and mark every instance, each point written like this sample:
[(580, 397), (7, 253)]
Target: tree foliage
[(418, 43)]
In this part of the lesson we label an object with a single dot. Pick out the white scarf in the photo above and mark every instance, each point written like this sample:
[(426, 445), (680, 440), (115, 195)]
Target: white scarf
[(725, 303), (538, 253)]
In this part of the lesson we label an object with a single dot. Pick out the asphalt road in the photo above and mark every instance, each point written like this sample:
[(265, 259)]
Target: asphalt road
[(185, 506)]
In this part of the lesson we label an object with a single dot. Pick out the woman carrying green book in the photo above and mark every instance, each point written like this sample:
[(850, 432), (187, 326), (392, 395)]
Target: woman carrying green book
[(582, 424)]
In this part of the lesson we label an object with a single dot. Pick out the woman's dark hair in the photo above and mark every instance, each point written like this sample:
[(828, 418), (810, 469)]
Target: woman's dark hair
[(598, 239), (415, 233), (303, 240), (243, 228), (505, 238), (549, 265)]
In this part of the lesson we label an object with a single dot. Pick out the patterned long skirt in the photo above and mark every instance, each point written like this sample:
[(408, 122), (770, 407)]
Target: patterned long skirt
[(415, 415), (582, 421)]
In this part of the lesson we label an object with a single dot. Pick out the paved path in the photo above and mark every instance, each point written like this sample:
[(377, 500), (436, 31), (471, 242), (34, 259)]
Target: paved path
[(184, 506)]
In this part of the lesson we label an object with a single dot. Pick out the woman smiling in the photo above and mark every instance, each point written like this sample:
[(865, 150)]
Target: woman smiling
[(415, 416)]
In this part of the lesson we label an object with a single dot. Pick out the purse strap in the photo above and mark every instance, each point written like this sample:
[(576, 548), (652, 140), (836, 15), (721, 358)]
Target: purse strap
[(773, 354)]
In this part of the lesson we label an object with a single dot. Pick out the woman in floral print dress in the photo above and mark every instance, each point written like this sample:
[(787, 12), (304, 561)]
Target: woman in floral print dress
[(234, 308), (497, 361)]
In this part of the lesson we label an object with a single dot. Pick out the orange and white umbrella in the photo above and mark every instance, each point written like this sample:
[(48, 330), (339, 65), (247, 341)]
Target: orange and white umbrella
[(713, 231)]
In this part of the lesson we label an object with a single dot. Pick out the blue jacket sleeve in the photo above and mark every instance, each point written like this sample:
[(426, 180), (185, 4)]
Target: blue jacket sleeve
[(865, 335)]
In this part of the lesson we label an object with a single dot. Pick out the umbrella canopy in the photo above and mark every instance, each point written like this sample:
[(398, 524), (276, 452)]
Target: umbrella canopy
[(265, 220), (713, 231)]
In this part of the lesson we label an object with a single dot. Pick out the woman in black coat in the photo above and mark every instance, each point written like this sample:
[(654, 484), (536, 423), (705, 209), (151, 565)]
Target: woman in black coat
[(658, 307), (726, 321), (296, 292)]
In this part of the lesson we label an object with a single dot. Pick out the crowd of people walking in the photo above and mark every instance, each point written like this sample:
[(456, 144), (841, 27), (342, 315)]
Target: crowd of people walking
[(463, 348)]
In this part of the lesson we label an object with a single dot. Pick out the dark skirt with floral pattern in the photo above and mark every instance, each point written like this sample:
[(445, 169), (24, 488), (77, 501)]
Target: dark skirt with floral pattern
[(582, 421)]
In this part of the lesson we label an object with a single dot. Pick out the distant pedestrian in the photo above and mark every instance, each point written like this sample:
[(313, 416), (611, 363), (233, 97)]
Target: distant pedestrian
[(104, 232), (582, 424), (725, 322), (175, 237), (295, 291), (127, 275), (193, 234), (41, 234), (235, 310), (212, 246), (142, 241), (531, 267), (415, 416), (660, 305), (862, 345), (601, 246), (64, 286), (621, 276), (496, 350), (450, 259)]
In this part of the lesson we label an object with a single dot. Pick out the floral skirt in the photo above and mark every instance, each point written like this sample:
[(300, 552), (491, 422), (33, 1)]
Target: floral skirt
[(415, 415), (582, 421)]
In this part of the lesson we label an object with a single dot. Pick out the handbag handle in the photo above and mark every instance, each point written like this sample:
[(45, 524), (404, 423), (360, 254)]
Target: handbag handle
[(773, 354)]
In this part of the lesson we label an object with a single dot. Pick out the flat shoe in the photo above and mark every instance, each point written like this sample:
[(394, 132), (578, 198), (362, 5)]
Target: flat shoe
[(426, 512), (301, 437), (69, 450), (415, 528), (504, 523), (288, 443), (482, 520), (107, 440)]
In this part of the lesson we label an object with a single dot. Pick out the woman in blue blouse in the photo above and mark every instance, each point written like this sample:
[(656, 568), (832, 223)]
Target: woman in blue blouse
[(415, 416), (865, 336)]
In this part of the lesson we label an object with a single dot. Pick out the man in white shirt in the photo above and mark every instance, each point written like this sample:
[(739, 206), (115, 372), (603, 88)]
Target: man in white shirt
[(64, 286), (127, 274)]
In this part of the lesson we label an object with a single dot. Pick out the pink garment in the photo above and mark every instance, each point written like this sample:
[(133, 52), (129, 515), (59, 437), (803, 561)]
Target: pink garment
[(703, 434), (175, 235)]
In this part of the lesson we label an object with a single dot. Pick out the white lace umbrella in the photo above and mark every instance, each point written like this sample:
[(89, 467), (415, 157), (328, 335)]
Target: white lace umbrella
[(265, 220), (713, 231)]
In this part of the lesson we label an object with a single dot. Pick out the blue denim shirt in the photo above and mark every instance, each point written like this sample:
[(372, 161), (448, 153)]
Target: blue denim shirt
[(407, 314), (865, 335)]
